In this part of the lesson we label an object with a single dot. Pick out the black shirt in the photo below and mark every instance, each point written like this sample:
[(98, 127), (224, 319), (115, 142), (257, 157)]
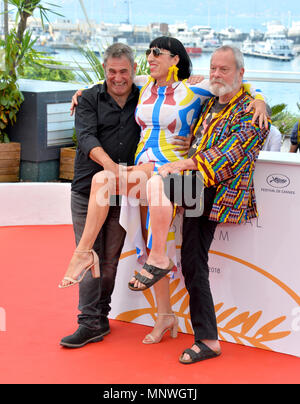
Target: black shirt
[(100, 121)]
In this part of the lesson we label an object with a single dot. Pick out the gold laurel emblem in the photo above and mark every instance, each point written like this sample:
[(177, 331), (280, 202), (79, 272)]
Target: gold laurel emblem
[(240, 328)]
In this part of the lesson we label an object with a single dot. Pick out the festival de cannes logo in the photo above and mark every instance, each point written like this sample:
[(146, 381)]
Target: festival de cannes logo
[(278, 181), (254, 328)]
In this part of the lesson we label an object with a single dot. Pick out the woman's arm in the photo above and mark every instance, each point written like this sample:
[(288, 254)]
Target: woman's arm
[(140, 81), (201, 88), (258, 105)]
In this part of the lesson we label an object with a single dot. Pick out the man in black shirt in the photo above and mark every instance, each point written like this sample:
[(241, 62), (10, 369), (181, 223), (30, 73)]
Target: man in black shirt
[(107, 136)]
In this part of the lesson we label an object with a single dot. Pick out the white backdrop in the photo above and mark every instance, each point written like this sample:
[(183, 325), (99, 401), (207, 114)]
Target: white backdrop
[(255, 270)]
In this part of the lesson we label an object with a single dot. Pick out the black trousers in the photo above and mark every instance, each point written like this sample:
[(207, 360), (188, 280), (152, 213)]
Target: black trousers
[(197, 235), (95, 294)]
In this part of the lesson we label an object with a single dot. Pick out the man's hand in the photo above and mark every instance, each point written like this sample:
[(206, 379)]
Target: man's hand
[(112, 167), (260, 113), (176, 167), (100, 157), (183, 143), (192, 80), (116, 171), (75, 101)]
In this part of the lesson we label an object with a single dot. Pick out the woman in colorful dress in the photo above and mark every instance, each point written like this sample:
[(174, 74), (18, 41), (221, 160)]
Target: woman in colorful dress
[(168, 107)]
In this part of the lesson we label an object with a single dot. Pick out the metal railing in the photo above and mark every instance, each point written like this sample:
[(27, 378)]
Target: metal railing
[(272, 76)]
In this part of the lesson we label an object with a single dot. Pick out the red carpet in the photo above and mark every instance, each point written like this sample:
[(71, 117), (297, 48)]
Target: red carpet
[(38, 315)]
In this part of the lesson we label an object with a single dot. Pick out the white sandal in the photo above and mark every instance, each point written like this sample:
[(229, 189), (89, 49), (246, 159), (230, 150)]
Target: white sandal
[(94, 267), (173, 330)]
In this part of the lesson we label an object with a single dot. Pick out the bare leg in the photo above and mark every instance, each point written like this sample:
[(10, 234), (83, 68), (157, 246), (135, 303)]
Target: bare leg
[(166, 319), (161, 213), (97, 211), (162, 295), (104, 185)]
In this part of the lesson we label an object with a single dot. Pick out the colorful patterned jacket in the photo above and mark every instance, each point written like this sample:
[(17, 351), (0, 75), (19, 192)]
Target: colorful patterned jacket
[(226, 157)]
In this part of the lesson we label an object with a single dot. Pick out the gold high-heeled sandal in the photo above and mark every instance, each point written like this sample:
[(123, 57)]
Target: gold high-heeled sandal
[(94, 267), (173, 330)]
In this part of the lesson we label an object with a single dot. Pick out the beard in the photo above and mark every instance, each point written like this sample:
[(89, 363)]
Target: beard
[(225, 88)]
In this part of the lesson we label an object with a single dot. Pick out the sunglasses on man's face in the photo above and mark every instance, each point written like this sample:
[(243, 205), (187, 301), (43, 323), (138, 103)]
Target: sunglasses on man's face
[(157, 52)]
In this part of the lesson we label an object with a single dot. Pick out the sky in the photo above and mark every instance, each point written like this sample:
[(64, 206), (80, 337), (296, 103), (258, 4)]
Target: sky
[(218, 14)]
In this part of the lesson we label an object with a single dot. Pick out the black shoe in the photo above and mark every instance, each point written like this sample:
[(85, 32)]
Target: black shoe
[(158, 274), (82, 337), (205, 353), (104, 326)]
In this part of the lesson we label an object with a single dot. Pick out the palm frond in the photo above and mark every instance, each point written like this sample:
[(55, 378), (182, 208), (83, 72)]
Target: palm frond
[(278, 108), (94, 65)]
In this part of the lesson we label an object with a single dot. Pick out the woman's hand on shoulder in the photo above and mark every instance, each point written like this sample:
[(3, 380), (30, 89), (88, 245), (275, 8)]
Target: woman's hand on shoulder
[(260, 113), (195, 79), (75, 101)]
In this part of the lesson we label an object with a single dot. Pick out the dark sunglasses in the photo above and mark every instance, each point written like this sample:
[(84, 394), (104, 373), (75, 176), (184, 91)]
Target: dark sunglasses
[(157, 52)]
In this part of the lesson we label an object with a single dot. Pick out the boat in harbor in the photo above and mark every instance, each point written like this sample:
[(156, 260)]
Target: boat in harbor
[(232, 34), (294, 32), (275, 28), (211, 42), (188, 38), (256, 35), (274, 44), (193, 50), (277, 47)]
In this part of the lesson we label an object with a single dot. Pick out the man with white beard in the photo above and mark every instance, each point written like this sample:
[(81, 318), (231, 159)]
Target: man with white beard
[(224, 150)]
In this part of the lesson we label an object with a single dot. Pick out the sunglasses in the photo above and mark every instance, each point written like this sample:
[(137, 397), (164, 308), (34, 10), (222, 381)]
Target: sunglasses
[(157, 52)]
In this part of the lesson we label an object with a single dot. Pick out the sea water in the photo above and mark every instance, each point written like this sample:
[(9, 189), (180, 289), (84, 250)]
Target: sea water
[(275, 92)]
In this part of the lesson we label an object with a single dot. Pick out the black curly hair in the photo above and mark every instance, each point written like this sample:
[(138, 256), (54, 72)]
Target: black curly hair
[(176, 48)]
